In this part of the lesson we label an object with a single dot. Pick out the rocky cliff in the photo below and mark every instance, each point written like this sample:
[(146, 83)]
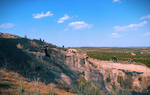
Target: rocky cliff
[(77, 62), (128, 76)]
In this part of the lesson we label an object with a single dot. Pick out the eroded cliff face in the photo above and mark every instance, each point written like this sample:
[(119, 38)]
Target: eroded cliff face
[(77, 62), (130, 76), (70, 56)]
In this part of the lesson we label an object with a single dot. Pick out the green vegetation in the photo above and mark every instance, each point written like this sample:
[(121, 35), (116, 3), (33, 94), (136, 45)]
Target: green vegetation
[(21, 88), (51, 91), (140, 78), (83, 73), (85, 88), (108, 79), (117, 49), (114, 58), (121, 92), (139, 58), (25, 36), (119, 79), (38, 91), (114, 86)]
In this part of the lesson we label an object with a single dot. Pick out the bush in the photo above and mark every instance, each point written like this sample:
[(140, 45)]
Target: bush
[(85, 88), (37, 88), (108, 79), (83, 73), (124, 92), (21, 88), (51, 91), (36, 91), (140, 78), (114, 58), (114, 86), (121, 92), (119, 79)]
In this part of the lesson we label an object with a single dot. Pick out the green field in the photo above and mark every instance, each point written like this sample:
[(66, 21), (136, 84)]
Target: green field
[(122, 53), (139, 58), (117, 49)]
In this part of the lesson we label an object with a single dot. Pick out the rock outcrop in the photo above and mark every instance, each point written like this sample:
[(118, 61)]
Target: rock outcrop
[(127, 76), (77, 61)]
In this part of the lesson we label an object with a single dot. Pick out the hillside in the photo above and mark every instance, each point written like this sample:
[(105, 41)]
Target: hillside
[(42, 65)]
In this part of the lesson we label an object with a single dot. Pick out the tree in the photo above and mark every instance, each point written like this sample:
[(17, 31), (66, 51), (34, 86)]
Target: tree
[(114, 58), (140, 78), (83, 73), (108, 79), (25, 36)]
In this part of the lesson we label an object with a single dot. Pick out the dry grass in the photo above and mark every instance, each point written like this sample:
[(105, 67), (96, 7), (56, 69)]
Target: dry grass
[(9, 85), (19, 46), (34, 44)]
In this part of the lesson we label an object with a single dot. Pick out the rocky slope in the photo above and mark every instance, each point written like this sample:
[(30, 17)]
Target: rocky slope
[(131, 76), (127, 76), (75, 61), (64, 66)]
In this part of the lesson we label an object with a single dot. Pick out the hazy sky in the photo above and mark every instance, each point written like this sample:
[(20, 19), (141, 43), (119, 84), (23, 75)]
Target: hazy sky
[(76, 23)]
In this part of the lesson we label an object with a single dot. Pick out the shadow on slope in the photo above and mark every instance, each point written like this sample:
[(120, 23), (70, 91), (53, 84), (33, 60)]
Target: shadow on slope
[(14, 59)]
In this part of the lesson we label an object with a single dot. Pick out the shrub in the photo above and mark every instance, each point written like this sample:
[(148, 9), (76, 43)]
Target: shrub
[(114, 58), (119, 79), (51, 91), (121, 92), (114, 86), (21, 88), (37, 88), (25, 36), (124, 92), (83, 73), (85, 88), (108, 79), (81, 79), (140, 78)]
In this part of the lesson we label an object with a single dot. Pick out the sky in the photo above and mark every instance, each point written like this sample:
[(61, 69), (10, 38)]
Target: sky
[(78, 23)]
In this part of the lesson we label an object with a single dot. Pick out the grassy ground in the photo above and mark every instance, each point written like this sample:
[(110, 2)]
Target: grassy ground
[(10, 84), (139, 58)]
